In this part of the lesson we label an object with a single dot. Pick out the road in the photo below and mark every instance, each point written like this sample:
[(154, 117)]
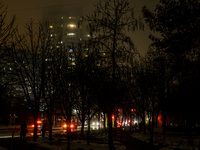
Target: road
[(7, 132)]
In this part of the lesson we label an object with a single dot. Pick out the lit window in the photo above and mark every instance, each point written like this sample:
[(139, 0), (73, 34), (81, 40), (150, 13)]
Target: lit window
[(98, 64), (88, 35), (86, 55), (51, 35), (57, 46), (51, 27), (71, 26), (104, 53), (71, 34)]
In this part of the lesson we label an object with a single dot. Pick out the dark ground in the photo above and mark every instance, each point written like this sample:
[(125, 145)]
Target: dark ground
[(121, 135)]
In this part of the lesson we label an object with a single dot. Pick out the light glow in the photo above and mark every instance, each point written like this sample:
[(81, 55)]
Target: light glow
[(39, 122), (71, 26), (65, 126), (71, 34)]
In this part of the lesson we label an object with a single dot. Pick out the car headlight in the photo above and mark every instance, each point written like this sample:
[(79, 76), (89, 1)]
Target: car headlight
[(93, 123)]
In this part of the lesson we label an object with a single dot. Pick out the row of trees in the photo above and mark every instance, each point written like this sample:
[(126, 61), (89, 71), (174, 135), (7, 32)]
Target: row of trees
[(108, 72)]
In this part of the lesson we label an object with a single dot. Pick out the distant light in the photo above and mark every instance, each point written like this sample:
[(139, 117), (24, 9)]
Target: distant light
[(88, 35), (61, 17), (135, 121), (65, 126), (72, 17), (39, 122), (93, 123), (71, 34), (51, 35), (71, 25), (113, 117), (73, 63), (51, 27)]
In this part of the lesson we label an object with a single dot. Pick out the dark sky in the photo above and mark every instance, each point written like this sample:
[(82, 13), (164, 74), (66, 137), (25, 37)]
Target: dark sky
[(26, 9)]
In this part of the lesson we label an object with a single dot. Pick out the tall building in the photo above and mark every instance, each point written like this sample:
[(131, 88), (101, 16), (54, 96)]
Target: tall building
[(64, 24)]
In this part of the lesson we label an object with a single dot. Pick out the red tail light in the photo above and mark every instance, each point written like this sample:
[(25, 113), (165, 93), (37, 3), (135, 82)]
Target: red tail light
[(33, 126), (39, 122), (71, 126)]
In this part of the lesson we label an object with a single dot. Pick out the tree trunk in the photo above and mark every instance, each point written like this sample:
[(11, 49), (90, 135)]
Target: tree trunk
[(104, 118), (110, 133), (157, 120), (68, 128), (88, 133), (99, 121), (82, 127), (50, 121), (164, 123), (130, 121), (50, 130), (35, 127), (152, 127), (143, 122)]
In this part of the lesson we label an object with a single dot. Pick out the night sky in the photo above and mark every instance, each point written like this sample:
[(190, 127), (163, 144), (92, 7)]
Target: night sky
[(26, 9)]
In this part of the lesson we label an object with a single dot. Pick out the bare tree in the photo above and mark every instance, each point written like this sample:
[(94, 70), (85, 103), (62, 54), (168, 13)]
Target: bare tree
[(107, 26), (29, 52)]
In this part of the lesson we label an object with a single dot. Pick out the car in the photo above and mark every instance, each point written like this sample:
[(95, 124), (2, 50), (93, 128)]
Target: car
[(72, 126), (39, 122)]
